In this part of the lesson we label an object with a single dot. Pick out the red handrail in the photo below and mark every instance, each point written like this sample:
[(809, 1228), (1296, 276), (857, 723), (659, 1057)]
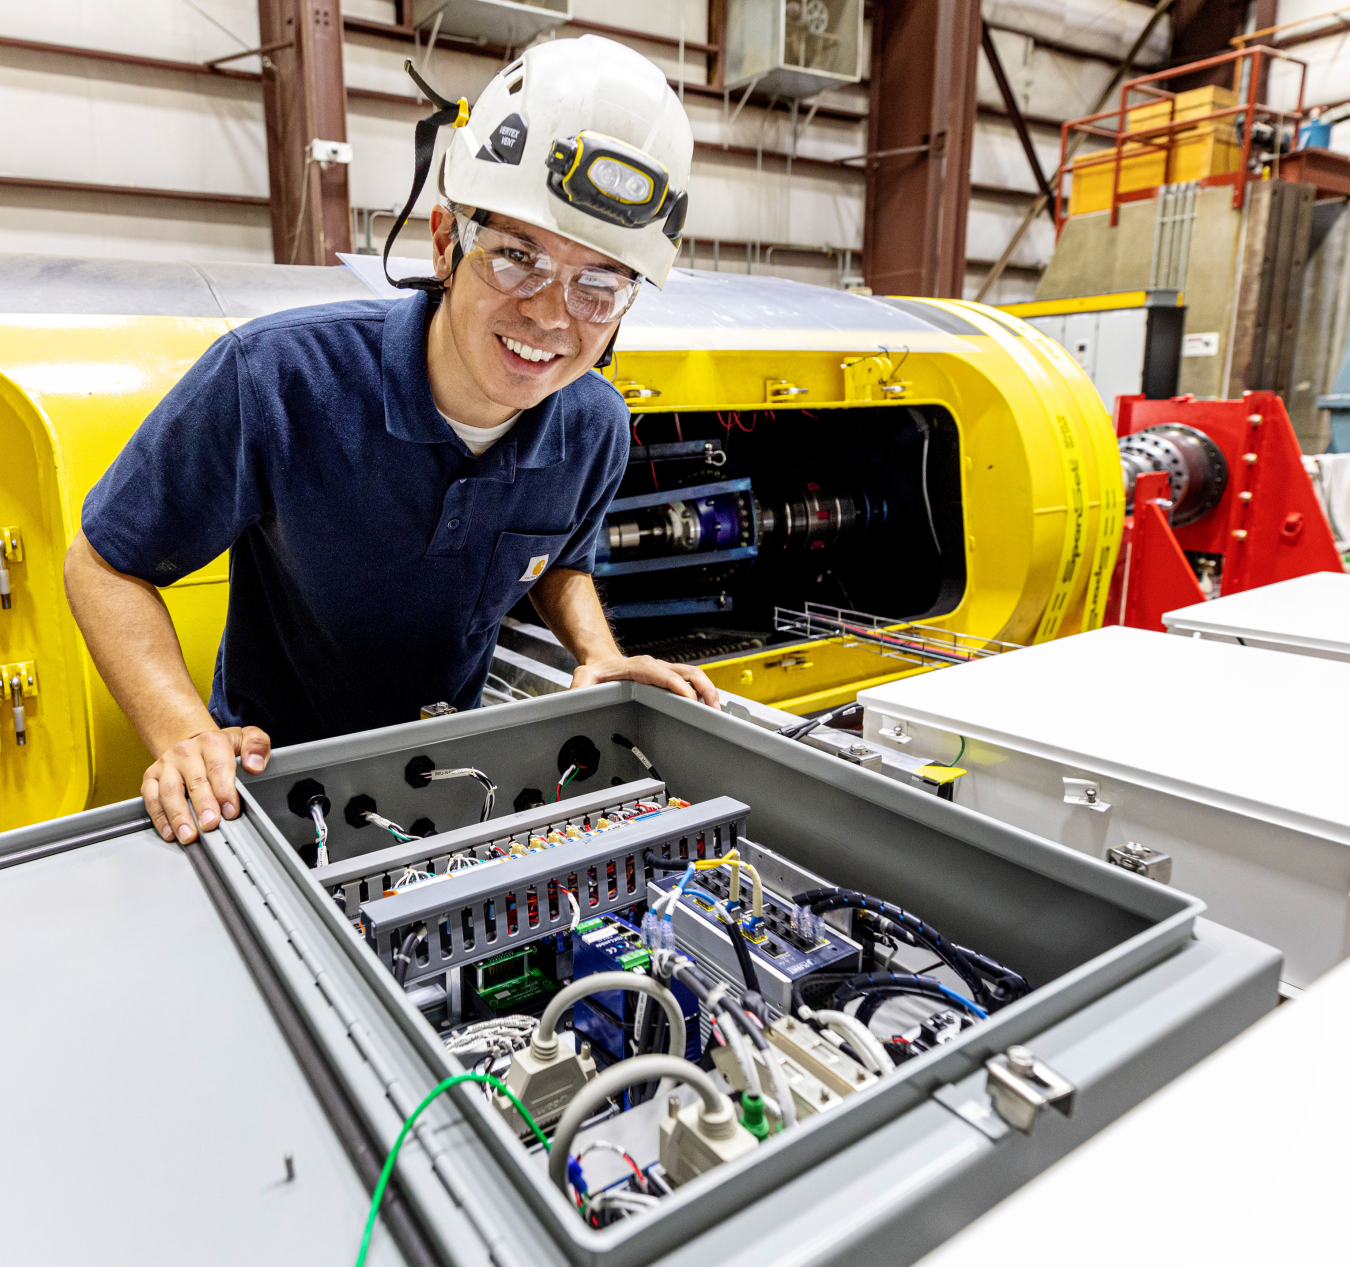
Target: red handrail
[(1142, 137)]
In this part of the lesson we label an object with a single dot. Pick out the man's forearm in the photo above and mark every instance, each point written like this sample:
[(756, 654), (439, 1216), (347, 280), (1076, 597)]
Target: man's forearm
[(135, 648), (568, 604)]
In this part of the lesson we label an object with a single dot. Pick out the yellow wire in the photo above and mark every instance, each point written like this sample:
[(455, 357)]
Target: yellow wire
[(735, 862)]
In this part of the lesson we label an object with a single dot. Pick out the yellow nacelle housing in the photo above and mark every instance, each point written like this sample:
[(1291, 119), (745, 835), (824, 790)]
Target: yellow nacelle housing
[(89, 347)]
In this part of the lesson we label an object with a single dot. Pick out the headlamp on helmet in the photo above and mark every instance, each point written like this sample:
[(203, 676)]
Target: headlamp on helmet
[(610, 180)]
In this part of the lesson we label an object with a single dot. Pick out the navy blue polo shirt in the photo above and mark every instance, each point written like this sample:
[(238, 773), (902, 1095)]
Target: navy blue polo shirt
[(371, 555)]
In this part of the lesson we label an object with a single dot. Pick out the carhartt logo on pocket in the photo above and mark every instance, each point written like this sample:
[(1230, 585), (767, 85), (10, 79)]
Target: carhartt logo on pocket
[(536, 568)]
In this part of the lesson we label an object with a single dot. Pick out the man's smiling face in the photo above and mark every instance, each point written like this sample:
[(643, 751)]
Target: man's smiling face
[(518, 351)]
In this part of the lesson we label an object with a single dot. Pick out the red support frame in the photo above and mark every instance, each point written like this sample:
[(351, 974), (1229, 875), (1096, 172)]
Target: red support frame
[(1268, 526), (1257, 56)]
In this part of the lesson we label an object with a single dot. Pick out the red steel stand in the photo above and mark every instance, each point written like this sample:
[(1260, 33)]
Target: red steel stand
[(1267, 527)]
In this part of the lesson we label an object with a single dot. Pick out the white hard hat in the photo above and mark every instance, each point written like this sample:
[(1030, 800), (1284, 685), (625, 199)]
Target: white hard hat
[(586, 139)]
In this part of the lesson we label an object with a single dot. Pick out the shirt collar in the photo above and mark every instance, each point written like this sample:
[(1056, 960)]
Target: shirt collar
[(411, 414)]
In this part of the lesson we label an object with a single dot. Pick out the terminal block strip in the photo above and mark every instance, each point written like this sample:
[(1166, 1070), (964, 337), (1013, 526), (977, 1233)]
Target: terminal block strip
[(504, 902), (368, 875)]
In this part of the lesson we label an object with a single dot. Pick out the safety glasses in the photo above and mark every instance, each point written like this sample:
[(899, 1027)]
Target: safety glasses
[(518, 268)]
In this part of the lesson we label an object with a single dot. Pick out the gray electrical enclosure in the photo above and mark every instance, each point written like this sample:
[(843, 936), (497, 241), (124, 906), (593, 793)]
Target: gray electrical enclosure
[(205, 1061)]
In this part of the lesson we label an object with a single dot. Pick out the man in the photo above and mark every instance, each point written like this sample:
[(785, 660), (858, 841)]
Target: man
[(390, 478)]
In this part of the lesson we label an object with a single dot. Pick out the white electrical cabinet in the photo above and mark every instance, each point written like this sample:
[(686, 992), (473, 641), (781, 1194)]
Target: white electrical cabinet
[(1108, 345), (1223, 764), (511, 23), (1193, 1145), (1127, 343), (1309, 616), (793, 48)]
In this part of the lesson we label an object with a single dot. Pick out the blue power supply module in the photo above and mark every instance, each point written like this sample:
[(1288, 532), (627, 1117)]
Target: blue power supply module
[(607, 943)]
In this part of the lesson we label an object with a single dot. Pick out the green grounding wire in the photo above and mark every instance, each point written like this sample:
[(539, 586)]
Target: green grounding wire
[(383, 1182)]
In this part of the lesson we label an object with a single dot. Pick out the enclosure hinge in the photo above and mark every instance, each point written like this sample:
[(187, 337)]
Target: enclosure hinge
[(1085, 792)]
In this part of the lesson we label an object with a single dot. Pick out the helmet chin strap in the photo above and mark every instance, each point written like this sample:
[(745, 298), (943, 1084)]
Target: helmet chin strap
[(607, 356), (453, 115), (456, 115)]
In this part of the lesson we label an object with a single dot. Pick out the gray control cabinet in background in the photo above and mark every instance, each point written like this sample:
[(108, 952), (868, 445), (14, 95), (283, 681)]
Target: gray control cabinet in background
[(1125, 351), (182, 1022)]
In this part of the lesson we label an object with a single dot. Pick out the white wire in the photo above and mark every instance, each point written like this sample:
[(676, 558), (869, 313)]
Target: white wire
[(623, 1201), (923, 483), (513, 1031), (736, 1041), (470, 772), (603, 1145), (787, 1106), (667, 904), (865, 1043), (511, 690), (782, 1090), (390, 826), (576, 910), (562, 782), (321, 834)]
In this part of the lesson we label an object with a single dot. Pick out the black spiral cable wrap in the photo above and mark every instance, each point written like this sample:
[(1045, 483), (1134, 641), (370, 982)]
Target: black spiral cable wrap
[(806, 989), (655, 863), (971, 967), (875, 987)]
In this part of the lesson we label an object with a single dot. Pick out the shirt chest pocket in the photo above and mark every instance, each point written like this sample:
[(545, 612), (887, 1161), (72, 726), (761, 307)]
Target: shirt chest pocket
[(518, 560)]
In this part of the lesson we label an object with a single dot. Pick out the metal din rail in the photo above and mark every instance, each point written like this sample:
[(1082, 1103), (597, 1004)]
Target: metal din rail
[(924, 645)]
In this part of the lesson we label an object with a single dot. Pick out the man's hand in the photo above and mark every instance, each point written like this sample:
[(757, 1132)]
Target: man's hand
[(678, 679), (567, 601), (201, 768)]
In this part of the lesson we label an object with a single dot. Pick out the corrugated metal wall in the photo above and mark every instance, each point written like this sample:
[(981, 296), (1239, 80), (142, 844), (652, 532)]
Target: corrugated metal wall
[(105, 124)]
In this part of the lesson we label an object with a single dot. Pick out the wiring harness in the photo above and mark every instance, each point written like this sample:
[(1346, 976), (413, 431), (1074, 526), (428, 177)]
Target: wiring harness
[(844, 713), (991, 985), (733, 1022), (658, 938), (643, 760), (401, 834), (422, 772), (316, 812), (495, 1038)]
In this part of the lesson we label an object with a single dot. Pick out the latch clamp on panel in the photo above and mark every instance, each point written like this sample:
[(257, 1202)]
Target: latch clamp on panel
[(1153, 864), (1022, 1086)]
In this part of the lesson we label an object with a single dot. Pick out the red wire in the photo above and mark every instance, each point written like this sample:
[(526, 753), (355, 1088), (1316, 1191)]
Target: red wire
[(679, 435)]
